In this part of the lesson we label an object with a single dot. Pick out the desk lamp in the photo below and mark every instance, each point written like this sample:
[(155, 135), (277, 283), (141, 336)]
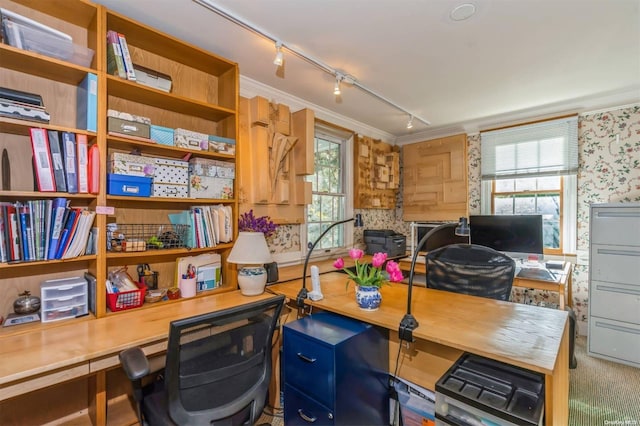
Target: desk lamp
[(303, 293), (251, 250), (409, 323)]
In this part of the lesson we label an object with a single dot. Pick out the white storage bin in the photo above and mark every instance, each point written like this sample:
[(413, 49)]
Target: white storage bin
[(63, 298)]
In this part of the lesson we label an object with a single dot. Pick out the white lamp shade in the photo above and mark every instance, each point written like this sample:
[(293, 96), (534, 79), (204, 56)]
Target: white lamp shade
[(250, 249)]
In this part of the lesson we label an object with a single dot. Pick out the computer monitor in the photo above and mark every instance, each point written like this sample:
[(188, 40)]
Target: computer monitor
[(443, 237), (518, 236)]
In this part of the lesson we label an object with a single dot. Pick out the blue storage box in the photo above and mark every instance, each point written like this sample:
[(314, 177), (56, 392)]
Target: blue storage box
[(162, 135), (135, 186), (222, 145)]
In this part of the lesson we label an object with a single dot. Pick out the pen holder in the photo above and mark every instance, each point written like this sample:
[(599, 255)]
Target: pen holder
[(150, 279), (188, 287)]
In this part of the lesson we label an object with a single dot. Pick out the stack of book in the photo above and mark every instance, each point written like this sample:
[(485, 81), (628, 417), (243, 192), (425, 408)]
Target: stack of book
[(22, 105), (118, 56), (45, 230)]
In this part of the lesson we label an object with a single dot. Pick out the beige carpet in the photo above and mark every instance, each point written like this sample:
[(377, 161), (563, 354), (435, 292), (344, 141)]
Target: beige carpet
[(600, 393)]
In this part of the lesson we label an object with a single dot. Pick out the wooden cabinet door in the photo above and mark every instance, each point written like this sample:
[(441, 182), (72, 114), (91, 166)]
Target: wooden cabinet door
[(435, 179)]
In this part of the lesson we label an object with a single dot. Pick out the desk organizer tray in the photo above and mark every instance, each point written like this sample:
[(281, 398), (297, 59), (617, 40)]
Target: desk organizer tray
[(489, 392)]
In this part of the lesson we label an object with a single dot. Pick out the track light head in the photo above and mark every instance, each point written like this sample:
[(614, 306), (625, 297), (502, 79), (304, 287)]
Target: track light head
[(279, 59), (336, 87), (410, 122)]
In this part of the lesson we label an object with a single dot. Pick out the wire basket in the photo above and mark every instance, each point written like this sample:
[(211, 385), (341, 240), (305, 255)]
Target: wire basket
[(140, 237), (126, 299)]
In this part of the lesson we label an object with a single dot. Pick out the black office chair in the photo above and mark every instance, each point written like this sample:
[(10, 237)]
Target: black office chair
[(217, 370), (471, 269)]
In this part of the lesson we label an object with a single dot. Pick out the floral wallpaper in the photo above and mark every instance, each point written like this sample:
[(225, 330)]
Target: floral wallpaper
[(609, 171)]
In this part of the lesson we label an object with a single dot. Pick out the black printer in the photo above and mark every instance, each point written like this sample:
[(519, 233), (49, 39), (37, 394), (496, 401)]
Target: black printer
[(385, 241)]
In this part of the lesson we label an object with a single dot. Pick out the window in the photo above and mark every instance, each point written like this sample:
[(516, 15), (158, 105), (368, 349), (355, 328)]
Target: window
[(331, 189), (536, 195), (531, 169)]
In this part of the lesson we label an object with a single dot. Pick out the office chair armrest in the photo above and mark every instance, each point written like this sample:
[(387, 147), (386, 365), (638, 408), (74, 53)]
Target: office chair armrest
[(135, 363)]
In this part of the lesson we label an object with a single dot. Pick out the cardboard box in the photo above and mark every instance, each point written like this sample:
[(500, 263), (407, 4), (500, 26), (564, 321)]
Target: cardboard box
[(210, 187), (126, 127), (135, 186), (152, 78), (191, 140), (131, 165), (212, 168), (171, 178), (222, 145), (162, 135)]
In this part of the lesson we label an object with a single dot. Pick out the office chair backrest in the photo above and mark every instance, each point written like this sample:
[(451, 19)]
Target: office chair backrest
[(218, 365), (471, 269)]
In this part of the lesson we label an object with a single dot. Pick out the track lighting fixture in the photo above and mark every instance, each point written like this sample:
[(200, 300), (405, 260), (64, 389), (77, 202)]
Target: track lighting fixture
[(279, 56), (336, 87), (410, 122), (209, 4)]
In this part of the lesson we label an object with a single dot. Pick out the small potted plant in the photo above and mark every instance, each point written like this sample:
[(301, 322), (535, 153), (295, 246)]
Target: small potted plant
[(370, 277), (249, 223)]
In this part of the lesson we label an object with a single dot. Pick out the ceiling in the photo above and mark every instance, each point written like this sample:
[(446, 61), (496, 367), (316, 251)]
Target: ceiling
[(510, 61)]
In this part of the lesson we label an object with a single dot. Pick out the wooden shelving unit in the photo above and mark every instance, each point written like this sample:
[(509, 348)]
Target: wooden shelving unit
[(204, 98)]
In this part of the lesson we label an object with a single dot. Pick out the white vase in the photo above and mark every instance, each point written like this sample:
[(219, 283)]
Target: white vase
[(252, 280), (368, 297)]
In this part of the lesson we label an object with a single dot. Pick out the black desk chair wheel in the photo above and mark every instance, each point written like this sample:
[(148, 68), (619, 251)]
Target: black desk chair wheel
[(217, 370)]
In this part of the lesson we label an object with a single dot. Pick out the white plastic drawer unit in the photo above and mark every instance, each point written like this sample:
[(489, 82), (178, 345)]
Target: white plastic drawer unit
[(63, 298), (615, 225)]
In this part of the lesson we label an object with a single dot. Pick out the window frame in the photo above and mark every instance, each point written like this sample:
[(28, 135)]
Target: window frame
[(326, 131)]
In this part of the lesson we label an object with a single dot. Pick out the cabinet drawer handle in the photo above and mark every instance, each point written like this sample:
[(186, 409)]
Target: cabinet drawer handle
[(618, 290), (306, 358), (618, 252), (617, 328), (305, 417)]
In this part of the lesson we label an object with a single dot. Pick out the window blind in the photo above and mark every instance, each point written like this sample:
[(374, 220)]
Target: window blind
[(541, 149)]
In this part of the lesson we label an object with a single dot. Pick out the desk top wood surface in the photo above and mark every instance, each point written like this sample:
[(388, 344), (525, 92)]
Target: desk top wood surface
[(76, 342), (522, 335)]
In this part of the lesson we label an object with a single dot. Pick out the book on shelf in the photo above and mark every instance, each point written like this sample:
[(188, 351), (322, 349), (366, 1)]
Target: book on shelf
[(80, 234), (42, 160), (69, 155), (82, 156), (59, 209), (87, 102), (126, 58), (115, 63), (57, 160), (3, 236), (94, 169)]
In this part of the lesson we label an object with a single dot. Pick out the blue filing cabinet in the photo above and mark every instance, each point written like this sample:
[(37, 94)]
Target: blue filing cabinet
[(335, 372)]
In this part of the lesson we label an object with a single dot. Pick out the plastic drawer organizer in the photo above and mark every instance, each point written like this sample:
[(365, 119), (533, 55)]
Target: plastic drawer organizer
[(64, 298), (478, 390)]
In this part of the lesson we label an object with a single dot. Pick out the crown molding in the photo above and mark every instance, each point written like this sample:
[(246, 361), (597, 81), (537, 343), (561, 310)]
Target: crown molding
[(250, 88), (581, 106)]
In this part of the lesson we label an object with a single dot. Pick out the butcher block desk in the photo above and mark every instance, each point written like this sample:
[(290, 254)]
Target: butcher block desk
[(562, 285), (79, 349), (450, 324)]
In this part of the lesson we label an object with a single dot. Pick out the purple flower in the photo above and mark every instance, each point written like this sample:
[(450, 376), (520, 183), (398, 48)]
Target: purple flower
[(249, 223)]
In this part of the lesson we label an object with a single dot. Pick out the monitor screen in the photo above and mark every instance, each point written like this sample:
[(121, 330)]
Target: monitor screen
[(440, 238), (515, 235)]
